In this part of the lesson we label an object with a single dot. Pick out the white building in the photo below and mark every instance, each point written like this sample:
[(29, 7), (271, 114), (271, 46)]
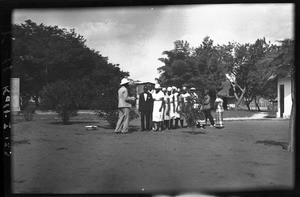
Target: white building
[(15, 96), (284, 92)]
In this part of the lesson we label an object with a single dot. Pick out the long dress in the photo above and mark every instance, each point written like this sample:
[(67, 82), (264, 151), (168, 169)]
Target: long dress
[(166, 107), (183, 102), (219, 113), (174, 100), (157, 116)]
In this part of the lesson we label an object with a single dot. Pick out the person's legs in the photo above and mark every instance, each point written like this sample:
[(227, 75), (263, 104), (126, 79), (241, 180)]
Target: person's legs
[(126, 120), (211, 119), (176, 123), (147, 114), (120, 120), (143, 114)]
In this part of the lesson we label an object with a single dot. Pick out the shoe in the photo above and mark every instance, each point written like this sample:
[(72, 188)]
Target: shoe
[(212, 125)]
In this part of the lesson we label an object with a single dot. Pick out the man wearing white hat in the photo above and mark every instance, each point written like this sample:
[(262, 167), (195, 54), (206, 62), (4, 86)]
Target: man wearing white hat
[(123, 107)]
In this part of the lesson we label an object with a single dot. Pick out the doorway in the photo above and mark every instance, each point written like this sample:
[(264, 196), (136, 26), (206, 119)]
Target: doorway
[(281, 98)]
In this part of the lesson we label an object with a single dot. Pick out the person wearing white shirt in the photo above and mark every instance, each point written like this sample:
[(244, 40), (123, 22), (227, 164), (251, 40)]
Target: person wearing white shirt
[(145, 108)]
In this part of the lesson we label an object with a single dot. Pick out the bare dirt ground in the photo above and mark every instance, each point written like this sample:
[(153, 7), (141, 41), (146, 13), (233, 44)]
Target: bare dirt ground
[(48, 157)]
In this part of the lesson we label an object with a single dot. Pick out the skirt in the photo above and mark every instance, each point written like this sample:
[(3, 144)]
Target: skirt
[(166, 116), (219, 119), (157, 116), (174, 115)]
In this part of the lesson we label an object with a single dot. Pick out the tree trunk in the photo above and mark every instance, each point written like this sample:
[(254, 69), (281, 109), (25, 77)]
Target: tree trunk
[(248, 106), (257, 105), (239, 99), (291, 145)]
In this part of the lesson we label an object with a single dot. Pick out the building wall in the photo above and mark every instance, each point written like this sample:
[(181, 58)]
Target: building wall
[(15, 96), (287, 97)]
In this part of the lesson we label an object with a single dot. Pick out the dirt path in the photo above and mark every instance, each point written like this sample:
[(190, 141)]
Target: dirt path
[(54, 158)]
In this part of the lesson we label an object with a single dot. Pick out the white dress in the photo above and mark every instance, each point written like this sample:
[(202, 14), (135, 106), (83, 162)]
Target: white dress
[(166, 117), (157, 115), (174, 99)]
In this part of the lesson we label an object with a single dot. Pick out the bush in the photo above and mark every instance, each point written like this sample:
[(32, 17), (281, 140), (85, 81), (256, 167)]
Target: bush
[(106, 105), (112, 116), (63, 97), (28, 112), (190, 113)]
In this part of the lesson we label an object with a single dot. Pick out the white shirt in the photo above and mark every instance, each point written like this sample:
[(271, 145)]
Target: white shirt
[(145, 96)]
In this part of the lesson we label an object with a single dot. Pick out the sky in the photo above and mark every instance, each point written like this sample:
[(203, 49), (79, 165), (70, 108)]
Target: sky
[(135, 37)]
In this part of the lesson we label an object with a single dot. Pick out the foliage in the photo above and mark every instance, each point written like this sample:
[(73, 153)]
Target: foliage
[(28, 112), (190, 113), (106, 104), (112, 116), (198, 67), (44, 54), (63, 97)]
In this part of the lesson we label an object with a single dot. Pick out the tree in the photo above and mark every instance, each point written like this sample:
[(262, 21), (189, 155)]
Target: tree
[(43, 54), (247, 73), (192, 67)]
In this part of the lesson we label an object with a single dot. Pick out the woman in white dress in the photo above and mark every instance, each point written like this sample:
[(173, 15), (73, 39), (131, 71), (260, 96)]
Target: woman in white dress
[(219, 112), (158, 103), (174, 107), (167, 108)]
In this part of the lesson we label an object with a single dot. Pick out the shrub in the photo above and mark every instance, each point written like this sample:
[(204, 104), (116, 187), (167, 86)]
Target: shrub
[(63, 97), (190, 113), (107, 105), (28, 112), (112, 116)]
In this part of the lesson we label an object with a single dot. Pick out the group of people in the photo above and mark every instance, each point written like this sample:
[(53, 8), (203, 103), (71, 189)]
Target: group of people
[(161, 108)]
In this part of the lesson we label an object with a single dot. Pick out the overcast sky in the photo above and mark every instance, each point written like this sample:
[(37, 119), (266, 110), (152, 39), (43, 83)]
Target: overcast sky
[(135, 37)]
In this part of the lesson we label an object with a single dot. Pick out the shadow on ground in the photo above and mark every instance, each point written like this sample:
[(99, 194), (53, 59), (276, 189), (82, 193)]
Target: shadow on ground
[(195, 132), (284, 145), (74, 122)]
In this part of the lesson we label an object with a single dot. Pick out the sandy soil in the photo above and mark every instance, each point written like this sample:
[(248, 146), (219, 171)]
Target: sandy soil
[(48, 157)]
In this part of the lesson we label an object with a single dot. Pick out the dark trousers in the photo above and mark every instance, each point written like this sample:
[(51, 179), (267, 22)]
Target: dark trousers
[(208, 115), (145, 115)]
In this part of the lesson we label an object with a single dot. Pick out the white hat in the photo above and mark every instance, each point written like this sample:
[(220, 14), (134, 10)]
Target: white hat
[(157, 86), (174, 88), (124, 81), (164, 89), (169, 89), (193, 88), (184, 88)]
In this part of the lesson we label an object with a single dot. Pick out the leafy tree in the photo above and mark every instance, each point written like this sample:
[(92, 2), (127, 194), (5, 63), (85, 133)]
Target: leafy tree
[(63, 97), (43, 54), (192, 67), (249, 73)]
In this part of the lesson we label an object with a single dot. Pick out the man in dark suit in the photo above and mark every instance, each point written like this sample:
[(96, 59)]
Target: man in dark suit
[(145, 107)]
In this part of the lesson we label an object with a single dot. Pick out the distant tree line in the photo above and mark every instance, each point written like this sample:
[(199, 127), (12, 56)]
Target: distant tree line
[(250, 68)]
